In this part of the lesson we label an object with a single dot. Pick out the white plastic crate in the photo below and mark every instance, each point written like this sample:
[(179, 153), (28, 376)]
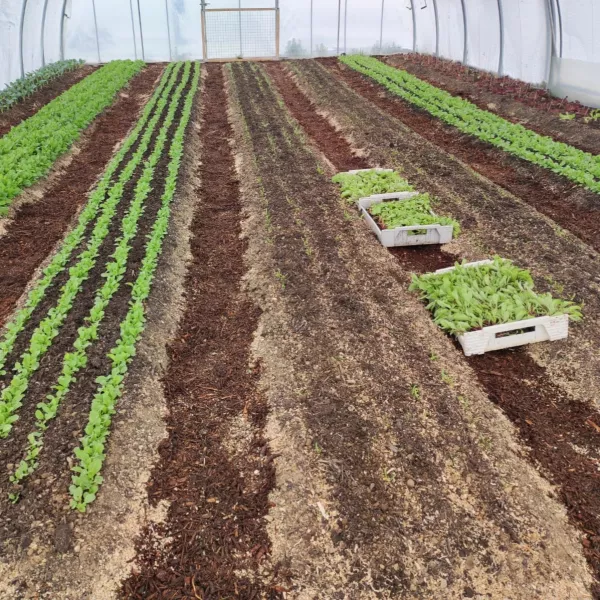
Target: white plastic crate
[(355, 171), (511, 335), (401, 236)]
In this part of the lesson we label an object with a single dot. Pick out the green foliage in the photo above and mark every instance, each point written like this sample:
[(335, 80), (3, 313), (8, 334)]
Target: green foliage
[(24, 87), (113, 274), (567, 116), (414, 211), (11, 397), (578, 166), (368, 183), (91, 453), (468, 298), (28, 151)]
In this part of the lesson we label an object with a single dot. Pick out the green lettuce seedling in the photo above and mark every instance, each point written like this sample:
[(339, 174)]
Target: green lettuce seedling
[(414, 211), (469, 298), (368, 183)]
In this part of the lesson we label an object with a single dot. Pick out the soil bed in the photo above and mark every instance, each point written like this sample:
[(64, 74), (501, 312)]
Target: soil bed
[(563, 434), (214, 538), (22, 248), (45, 495), (347, 399), (29, 106), (572, 207)]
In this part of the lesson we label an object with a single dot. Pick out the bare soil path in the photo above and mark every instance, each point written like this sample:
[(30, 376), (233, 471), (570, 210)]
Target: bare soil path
[(29, 106)]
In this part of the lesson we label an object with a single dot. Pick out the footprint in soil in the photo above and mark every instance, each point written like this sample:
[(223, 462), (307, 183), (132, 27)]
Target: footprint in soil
[(63, 536)]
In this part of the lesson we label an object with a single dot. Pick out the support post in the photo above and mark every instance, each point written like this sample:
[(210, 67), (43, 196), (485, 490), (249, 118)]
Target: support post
[(277, 26), (560, 28), (203, 23), (21, 40), (338, 27), (169, 29), (240, 28), (414, 23), (465, 40), (549, 43), (133, 29), (501, 25), (381, 28), (141, 30), (345, 26), (437, 28), (43, 32), (311, 28), (62, 29), (96, 28)]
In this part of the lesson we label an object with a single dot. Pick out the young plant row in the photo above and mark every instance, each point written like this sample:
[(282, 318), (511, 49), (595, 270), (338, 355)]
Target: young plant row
[(472, 297), (91, 452), (578, 166), (370, 182), (28, 151), (25, 86), (105, 199), (113, 274)]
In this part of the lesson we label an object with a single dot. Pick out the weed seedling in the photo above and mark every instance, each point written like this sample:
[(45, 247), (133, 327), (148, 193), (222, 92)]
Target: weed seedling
[(282, 278), (415, 391)]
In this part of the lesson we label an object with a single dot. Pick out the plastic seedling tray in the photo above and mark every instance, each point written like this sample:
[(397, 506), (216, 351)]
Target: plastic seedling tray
[(402, 236), (355, 171), (511, 335)]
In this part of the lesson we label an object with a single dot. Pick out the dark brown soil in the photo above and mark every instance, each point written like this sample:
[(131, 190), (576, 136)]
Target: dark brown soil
[(22, 248), (215, 529), (572, 207), (318, 128), (331, 319), (44, 494), (29, 106), (551, 424), (563, 435), (514, 100)]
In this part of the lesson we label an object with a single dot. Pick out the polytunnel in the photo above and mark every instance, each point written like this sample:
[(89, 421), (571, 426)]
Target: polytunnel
[(543, 42)]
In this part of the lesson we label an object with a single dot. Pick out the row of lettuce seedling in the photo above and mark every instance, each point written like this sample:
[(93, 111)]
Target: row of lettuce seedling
[(28, 151), (113, 274), (21, 88), (487, 305), (563, 159), (91, 452), (105, 201)]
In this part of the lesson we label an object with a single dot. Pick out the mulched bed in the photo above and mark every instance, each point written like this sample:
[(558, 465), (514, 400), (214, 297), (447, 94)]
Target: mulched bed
[(551, 424), (317, 127), (45, 496), (29, 106), (572, 207), (215, 528), (22, 248)]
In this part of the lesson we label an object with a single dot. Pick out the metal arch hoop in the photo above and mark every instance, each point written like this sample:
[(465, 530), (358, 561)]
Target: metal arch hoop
[(437, 28), (414, 23), (63, 16), (560, 28), (43, 32), (465, 38), (141, 29), (381, 27), (96, 28), (21, 27), (501, 26), (169, 29), (133, 29)]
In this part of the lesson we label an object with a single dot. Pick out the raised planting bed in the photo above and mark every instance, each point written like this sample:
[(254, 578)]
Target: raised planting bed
[(406, 219), (490, 305)]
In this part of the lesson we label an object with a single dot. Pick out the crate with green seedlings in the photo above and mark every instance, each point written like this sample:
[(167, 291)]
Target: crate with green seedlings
[(407, 220), (355, 185), (490, 305)]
